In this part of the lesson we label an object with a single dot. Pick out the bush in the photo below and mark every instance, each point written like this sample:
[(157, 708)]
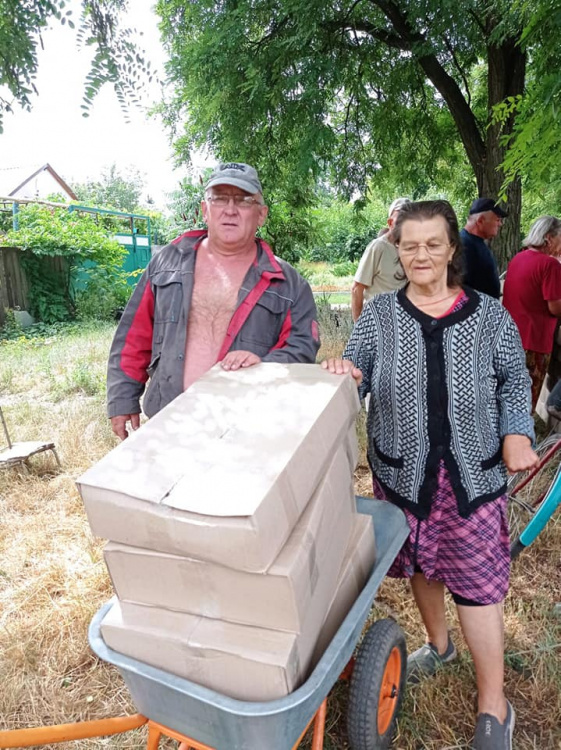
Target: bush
[(75, 239), (345, 231), (346, 268), (104, 296)]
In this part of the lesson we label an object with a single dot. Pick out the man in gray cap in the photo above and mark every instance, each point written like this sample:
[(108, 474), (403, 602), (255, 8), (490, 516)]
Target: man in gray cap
[(378, 267), (212, 295), (480, 267)]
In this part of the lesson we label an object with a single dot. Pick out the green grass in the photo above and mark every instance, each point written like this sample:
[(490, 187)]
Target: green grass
[(321, 277), (334, 298), (68, 359)]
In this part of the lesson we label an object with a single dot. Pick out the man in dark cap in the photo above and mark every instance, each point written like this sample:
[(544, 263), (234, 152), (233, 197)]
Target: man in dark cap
[(212, 295), (480, 268)]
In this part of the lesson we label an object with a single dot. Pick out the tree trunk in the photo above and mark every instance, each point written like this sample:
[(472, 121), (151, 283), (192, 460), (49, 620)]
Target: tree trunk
[(506, 68), (505, 77)]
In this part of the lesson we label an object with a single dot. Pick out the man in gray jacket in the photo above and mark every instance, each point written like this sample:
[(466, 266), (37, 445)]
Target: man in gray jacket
[(214, 295)]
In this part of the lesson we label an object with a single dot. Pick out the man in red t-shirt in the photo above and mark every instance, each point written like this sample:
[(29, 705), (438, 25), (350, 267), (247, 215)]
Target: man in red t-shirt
[(532, 295)]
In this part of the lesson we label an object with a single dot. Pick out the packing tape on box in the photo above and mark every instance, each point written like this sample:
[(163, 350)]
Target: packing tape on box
[(313, 568)]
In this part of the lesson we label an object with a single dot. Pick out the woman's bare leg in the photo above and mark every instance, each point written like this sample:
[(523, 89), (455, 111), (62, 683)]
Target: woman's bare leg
[(429, 596), (484, 633)]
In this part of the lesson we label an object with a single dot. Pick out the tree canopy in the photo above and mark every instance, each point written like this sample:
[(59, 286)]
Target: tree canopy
[(534, 143), (115, 189), (359, 88), (118, 60)]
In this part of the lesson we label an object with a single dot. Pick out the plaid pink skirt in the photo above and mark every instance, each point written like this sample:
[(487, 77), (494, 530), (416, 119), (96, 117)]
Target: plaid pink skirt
[(471, 556)]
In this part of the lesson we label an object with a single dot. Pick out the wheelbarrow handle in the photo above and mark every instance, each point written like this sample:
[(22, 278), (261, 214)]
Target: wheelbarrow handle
[(67, 732)]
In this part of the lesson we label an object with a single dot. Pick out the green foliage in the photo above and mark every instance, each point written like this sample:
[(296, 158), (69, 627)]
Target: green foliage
[(75, 240), (118, 59), (159, 224), (104, 296), (344, 230), (184, 207), (533, 141), (368, 96), (346, 268), (21, 24), (6, 219), (36, 333), (79, 378), (114, 190), (47, 231), (11, 329), (289, 228), (49, 296), (361, 88)]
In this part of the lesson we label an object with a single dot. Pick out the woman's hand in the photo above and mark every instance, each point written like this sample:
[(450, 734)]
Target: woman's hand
[(518, 454), (342, 367), (239, 358)]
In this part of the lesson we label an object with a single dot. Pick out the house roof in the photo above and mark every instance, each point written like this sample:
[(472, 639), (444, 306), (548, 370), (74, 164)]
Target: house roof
[(14, 179)]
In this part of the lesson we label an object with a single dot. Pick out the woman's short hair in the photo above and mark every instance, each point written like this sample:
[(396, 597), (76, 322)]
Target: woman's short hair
[(423, 210), (545, 226)]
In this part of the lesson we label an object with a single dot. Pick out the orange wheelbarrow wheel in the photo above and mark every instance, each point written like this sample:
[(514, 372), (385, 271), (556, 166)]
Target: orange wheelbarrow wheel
[(377, 687)]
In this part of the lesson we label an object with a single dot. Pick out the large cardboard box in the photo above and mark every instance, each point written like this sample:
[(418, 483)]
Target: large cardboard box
[(280, 598), (224, 472), (242, 661), (358, 564)]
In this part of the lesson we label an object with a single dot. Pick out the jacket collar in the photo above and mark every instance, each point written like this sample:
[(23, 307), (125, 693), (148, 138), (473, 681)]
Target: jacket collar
[(434, 324), (266, 261)]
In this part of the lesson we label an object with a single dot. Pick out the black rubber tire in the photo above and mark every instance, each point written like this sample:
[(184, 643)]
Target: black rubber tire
[(366, 684)]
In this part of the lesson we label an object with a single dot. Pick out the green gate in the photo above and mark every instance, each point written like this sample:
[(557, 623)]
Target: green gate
[(137, 240)]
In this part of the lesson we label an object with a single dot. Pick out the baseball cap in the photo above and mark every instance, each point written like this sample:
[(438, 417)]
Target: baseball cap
[(480, 205), (237, 174), (397, 204)]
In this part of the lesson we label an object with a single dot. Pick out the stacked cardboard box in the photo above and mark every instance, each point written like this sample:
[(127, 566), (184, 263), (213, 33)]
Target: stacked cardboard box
[(232, 523)]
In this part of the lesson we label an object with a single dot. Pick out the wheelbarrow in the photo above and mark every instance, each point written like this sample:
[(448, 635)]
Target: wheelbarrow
[(205, 720)]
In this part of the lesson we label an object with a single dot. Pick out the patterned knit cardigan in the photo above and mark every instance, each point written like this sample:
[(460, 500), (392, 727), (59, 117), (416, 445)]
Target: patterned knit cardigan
[(445, 389)]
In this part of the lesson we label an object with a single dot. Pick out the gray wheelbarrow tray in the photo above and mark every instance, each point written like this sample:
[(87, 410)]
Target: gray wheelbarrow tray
[(228, 724)]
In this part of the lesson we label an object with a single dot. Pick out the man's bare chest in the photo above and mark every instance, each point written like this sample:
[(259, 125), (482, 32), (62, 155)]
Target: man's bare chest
[(216, 289)]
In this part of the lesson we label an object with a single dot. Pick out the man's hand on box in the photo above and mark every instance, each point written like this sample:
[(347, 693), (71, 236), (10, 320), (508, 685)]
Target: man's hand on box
[(119, 424), (342, 367), (237, 359)]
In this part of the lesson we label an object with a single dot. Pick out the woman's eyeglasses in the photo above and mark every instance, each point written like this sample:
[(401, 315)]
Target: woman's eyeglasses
[(432, 248)]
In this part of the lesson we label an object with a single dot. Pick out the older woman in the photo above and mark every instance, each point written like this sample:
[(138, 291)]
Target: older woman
[(449, 413), (532, 295)]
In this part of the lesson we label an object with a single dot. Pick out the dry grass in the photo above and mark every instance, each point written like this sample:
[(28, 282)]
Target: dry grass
[(52, 580)]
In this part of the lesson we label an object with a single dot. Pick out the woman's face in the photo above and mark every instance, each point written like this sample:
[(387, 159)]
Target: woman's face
[(425, 250), (554, 245)]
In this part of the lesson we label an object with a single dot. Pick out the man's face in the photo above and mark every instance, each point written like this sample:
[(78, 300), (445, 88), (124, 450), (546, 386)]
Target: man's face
[(233, 225), (489, 224)]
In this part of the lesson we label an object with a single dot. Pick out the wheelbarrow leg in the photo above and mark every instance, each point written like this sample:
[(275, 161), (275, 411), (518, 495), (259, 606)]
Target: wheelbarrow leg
[(319, 727), (156, 730), (154, 735)]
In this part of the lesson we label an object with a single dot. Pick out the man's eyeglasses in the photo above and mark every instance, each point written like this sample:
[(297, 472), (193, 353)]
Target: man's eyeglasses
[(240, 201), (432, 248)]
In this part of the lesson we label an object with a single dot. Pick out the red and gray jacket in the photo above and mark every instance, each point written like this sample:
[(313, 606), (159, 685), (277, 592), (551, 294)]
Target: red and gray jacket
[(275, 318)]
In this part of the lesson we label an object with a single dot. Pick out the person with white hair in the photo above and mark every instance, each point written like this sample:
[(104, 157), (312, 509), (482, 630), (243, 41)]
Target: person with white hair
[(532, 295), (377, 271)]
